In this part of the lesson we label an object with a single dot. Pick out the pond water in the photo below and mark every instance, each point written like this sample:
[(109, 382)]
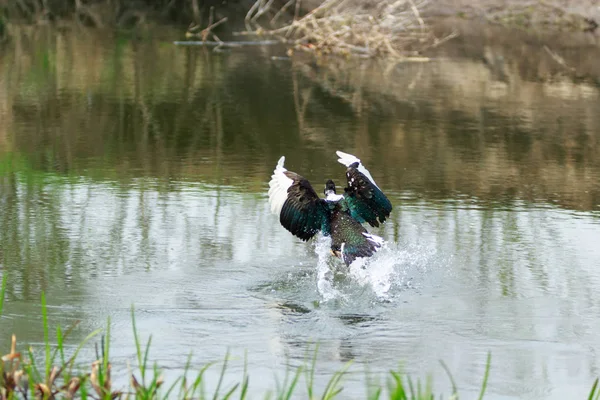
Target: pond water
[(135, 172)]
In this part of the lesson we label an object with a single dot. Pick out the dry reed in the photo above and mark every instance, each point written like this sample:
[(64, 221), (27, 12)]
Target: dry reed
[(385, 28)]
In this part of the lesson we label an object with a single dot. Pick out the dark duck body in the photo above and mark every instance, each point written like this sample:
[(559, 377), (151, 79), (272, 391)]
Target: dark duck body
[(302, 212)]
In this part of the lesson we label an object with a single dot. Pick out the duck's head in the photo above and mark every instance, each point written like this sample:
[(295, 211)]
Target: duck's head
[(329, 189)]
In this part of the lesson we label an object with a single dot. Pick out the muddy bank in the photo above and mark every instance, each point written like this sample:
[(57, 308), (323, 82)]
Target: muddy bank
[(551, 14), (575, 15), (538, 55), (482, 8)]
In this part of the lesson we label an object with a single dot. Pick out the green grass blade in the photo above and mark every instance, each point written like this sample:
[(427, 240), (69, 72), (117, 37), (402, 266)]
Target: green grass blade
[(60, 340), (105, 352), (60, 344), (411, 387), (183, 389), (246, 381), (454, 387), (429, 388), (48, 361), (222, 376), (138, 347), (373, 389), (290, 391), (83, 391), (100, 371), (593, 392), (103, 370), (486, 375), (32, 375), (332, 390), (35, 374), (146, 352), (376, 395), (231, 391), (152, 388), (171, 388), (78, 349), (280, 389), (311, 373), (396, 388), (244, 391), (61, 351), (198, 380)]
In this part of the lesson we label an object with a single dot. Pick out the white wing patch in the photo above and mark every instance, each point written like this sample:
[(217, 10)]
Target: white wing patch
[(377, 240), (348, 159), (278, 187)]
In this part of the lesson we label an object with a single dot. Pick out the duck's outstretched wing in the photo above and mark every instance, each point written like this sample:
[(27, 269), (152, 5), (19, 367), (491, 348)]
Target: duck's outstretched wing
[(350, 240), (300, 209), (366, 201)]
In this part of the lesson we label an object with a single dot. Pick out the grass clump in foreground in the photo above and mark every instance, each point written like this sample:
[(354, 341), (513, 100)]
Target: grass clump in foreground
[(24, 376)]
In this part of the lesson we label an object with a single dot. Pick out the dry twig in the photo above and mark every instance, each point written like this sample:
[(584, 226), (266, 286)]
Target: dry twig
[(558, 58), (204, 33), (390, 28)]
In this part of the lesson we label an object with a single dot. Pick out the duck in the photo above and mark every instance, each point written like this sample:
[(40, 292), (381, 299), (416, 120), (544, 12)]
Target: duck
[(340, 216)]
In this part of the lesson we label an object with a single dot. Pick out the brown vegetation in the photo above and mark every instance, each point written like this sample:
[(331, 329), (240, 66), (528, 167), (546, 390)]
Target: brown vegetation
[(391, 28), (115, 13), (573, 15)]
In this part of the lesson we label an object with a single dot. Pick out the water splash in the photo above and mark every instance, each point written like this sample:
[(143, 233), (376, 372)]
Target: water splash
[(325, 272), (391, 270)]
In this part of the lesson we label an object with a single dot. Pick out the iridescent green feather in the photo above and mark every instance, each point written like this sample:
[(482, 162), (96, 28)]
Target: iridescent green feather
[(304, 222), (359, 210), (348, 237), (366, 202)]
